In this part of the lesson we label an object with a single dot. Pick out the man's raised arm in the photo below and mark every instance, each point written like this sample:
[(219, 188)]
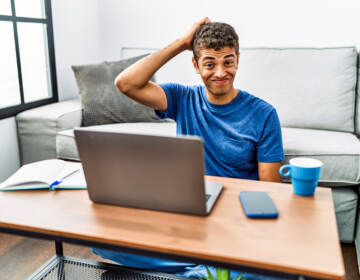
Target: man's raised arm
[(135, 80)]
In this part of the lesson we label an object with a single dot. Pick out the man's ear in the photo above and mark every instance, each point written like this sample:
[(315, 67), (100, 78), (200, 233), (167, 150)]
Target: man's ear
[(195, 65), (237, 60)]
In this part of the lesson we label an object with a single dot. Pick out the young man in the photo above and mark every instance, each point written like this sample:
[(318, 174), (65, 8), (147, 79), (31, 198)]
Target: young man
[(242, 136), (241, 133)]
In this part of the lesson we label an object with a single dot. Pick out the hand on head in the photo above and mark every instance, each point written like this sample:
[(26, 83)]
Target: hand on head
[(188, 37)]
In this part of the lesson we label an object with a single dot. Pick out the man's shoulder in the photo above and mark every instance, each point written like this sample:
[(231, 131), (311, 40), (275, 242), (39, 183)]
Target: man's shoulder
[(257, 102), (181, 88)]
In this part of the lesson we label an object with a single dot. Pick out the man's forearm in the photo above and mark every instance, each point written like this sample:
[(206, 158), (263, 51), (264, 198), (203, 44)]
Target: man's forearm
[(269, 171), (139, 74)]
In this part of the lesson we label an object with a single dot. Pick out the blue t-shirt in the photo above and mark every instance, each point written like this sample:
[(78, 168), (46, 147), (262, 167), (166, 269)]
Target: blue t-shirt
[(236, 135)]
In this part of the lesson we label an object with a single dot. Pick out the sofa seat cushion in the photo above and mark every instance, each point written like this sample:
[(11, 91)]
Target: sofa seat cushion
[(339, 152), (65, 141)]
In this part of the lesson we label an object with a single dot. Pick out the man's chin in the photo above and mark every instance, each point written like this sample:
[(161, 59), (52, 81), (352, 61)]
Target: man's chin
[(218, 92)]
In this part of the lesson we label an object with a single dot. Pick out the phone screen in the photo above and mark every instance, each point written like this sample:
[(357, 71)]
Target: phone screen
[(258, 205)]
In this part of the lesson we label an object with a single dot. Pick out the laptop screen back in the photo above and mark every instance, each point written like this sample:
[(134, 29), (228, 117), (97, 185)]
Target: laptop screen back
[(144, 171)]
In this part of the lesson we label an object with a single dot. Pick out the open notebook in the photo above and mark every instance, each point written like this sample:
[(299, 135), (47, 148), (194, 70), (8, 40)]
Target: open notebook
[(46, 174)]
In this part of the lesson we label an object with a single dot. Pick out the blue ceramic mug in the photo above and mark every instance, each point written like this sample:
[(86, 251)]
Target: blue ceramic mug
[(304, 173)]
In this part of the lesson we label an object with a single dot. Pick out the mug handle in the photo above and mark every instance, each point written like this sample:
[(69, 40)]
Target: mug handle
[(287, 174)]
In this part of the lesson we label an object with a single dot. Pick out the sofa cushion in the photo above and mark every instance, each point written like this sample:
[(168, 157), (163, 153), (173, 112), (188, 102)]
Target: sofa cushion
[(65, 141), (102, 103), (339, 152), (310, 88)]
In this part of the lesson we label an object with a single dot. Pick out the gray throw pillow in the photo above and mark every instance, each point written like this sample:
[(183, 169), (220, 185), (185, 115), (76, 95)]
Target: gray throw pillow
[(101, 102)]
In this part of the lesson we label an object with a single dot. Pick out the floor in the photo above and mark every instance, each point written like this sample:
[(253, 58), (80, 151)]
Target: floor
[(21, 256)]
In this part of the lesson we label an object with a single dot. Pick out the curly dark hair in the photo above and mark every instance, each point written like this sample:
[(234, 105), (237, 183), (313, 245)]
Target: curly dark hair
[(214, 35)]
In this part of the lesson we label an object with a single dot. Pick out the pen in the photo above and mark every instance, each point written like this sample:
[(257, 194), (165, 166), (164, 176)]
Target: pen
[(57, 182), (70, 174), (51, 187)]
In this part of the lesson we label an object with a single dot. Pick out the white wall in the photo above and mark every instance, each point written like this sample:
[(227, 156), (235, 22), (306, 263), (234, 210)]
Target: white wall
[(92, 31), (76, 36), (156, 23), (9, 152), (258, 22)]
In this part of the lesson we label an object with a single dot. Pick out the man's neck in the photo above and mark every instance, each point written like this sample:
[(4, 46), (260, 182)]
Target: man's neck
[(221, 99)]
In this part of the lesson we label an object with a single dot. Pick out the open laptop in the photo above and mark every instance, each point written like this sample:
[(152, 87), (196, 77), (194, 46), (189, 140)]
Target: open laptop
[(146, 171)]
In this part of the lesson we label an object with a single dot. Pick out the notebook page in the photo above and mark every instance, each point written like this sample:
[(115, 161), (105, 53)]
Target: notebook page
[(68, 168), (36, 173)]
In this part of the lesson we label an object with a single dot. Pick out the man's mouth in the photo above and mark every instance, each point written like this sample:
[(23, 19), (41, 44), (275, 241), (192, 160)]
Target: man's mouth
[(220, 81)]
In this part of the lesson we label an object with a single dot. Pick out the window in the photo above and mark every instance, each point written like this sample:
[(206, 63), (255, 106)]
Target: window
[(27, 60)]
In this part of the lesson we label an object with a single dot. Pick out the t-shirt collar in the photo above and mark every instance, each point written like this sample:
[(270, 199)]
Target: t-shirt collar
[(220, 106)]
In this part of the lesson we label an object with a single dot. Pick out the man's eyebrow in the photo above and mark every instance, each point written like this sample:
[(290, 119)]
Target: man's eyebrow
[(208, 57), (213, 58)]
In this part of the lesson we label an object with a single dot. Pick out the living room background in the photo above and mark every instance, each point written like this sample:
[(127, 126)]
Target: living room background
[(91, 31)]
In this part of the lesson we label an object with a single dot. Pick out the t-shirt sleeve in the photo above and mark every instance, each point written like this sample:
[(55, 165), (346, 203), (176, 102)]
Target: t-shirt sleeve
[(173, 94), (270, 147)]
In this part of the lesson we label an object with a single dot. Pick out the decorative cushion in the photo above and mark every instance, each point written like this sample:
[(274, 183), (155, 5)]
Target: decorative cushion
[(102, 103)]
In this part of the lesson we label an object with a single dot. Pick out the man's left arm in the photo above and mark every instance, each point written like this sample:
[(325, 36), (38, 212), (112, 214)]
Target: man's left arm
[(270, 151), (269, 171)]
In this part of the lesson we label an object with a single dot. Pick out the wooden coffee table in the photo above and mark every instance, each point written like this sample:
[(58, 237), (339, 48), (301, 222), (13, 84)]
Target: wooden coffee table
[(302, 241)]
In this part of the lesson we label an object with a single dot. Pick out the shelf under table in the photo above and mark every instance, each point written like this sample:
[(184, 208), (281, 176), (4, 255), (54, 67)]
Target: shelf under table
[(70, 268)]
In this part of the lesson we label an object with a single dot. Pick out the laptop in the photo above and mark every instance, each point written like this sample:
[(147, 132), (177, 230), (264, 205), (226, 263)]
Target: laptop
[(146, 171)]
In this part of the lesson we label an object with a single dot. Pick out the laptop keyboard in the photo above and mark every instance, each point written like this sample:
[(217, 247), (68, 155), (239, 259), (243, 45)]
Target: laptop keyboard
[(207, 197)]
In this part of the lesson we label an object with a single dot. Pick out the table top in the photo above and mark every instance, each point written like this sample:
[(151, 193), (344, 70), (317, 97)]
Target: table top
[(303, 240)]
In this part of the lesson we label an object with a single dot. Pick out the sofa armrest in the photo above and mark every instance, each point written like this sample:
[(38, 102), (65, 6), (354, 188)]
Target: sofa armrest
[(37, 128)]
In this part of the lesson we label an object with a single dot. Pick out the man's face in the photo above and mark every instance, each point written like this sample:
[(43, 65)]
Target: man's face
[(217, 69)]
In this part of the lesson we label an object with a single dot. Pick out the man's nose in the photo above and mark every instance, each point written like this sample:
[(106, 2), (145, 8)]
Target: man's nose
[(220, 72)]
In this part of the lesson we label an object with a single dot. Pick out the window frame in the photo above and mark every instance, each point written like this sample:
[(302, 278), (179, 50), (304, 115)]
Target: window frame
[(47, 21)]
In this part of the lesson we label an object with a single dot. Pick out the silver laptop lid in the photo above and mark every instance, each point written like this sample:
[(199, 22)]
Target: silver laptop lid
[(144, 171)]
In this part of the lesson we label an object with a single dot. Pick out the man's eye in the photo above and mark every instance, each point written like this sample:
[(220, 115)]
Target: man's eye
[(229, 62), (209, 65)]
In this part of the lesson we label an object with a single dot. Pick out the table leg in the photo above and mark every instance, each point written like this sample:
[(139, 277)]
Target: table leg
[(59, 248), (60, 253)]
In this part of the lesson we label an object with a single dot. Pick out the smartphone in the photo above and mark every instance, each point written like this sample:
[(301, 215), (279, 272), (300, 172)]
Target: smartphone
[(258, 205)]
